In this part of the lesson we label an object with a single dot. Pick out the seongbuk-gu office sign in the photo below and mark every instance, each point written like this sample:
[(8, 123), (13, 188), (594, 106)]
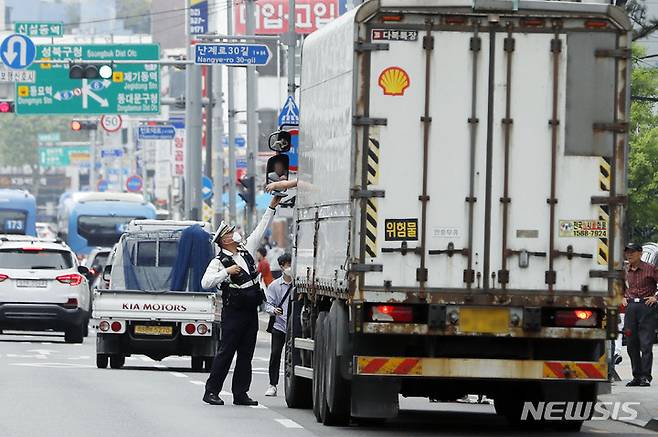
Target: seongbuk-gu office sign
[(272, 15)]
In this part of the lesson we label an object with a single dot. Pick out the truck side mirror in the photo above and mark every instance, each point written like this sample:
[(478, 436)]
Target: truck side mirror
[(277, 171), (280, 141), (107, 272)]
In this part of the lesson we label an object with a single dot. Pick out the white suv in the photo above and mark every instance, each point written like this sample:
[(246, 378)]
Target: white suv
[(42, 287)]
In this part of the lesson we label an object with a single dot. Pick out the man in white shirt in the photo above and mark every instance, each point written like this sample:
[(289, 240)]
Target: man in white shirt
[(234, 272), (276, 304)]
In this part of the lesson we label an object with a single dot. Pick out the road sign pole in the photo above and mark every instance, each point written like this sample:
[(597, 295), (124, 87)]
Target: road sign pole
[(209, 122), (193, 171), (231, 125), (92, 159), (218, 148), (252, 116), (292, 43)]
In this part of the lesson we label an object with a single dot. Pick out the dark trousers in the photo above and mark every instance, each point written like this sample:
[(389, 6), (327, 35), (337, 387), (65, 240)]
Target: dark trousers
[(640, 330), (239, 330), (276, 347)]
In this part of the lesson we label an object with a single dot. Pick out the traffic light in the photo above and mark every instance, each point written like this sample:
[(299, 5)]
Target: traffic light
[(78, 125), (247, 190), (90, 71), (6, 106)]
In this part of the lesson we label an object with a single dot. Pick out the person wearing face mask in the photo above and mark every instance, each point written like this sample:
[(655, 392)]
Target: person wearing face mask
[(276, 304), (234, 272)]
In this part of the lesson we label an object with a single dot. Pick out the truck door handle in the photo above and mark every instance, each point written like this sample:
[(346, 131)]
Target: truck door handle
[(403, 249), (571, 254), (450, 251)]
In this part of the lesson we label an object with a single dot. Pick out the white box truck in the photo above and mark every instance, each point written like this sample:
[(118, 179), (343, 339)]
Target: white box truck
[(460, 208)]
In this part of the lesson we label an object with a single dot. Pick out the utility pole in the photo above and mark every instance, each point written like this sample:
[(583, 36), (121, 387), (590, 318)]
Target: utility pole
[(231, 125), (252, 116), (193, 202), (292, 43), (217, 145), (209, 120), (92, 168)]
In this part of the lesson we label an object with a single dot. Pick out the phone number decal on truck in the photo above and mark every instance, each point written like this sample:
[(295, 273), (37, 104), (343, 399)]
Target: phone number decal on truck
[(584, 228)]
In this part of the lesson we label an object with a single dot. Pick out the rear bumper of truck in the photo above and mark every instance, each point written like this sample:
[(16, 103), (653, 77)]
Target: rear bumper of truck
[(480, 368)]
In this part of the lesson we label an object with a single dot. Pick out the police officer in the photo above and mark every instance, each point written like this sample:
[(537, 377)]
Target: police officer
[(234, 272)]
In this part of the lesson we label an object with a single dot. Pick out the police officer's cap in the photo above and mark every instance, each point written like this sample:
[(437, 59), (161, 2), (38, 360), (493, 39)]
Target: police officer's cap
[(223, 230), (633, 247)]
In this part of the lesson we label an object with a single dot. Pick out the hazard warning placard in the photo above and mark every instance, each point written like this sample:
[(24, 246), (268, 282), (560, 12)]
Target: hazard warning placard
[(401, 229), (584, 228)]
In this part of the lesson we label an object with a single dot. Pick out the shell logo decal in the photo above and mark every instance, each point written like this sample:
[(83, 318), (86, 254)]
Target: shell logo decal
[(394, 81)]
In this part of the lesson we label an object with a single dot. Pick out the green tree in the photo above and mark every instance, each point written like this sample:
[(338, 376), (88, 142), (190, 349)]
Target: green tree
[(643, 158)]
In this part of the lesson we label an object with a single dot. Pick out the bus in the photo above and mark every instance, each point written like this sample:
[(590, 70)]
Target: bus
[(96, 219), (18, 212)]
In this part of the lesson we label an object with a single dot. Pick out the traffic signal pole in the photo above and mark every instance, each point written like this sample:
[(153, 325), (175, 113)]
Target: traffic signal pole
[(252, 116), (193, 121), (232, 208), (92, 154), (292, 43)]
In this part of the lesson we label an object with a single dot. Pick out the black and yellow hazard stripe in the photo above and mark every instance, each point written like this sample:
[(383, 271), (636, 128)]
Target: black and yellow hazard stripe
[(604, 210), (371, 208)]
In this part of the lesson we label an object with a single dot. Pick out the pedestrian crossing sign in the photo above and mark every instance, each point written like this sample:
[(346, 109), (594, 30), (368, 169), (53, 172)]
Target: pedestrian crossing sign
[(289, 113)]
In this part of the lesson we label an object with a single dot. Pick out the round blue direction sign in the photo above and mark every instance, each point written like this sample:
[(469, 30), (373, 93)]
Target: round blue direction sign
[(102, 185), (134, 184), (206, 188), (17, 51)]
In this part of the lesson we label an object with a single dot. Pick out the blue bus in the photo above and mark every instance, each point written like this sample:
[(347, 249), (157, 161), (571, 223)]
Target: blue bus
[(18, 212), (92, 219)]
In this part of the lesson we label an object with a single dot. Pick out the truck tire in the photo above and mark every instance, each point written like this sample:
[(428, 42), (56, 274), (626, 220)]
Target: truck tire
[(102, 360), (298, 390), (318, 373), (85, 332), (117, 361), (74, 334), (336, 389), (197, 364)]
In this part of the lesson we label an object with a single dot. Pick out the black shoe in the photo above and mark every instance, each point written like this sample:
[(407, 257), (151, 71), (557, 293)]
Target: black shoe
[(244, 400), (212, 399), (633, 383), (644, 382)]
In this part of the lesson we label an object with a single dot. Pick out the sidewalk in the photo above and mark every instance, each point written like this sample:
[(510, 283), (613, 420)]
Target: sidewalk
[(646, 396)]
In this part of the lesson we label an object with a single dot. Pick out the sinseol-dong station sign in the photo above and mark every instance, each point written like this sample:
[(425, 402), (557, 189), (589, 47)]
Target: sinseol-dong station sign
[(131, 89)]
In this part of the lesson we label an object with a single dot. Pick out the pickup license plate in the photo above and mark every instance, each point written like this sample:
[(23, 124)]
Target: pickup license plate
[(154, 330), (31, 283), (484, 320)]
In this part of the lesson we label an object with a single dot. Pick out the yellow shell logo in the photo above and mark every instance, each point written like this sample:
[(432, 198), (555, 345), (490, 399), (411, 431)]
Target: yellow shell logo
[(394, 81)]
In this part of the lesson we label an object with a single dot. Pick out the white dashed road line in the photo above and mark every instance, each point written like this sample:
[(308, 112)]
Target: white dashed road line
[(197, 382), (178, 374), (289, 423)]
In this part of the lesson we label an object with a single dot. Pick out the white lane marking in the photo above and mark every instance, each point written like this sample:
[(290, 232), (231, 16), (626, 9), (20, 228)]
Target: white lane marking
[(178, 374), (259, 407), (289, 423), (46, 342), (225, 393), (197, 382), (81, 357), (25, 342), (55, 365)]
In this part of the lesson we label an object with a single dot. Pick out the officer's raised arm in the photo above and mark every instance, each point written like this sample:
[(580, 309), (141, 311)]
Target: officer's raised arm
[(254, 239)]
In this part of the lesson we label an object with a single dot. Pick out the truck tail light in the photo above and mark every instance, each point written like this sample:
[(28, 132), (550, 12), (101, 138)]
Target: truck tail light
[(456, 20), (391, 17), (190, 328), (392, 313), (596, 24), (104, 326), (3, 277), (73, 279), (576, 318), (532, 22), (116, 326), (202, 329)]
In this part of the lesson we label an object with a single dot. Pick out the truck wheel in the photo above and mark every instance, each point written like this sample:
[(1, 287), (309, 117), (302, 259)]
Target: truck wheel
[(298, 390), (335, 405), (318, 373), (207, 363), (197, 364), (101, 361), (85, 328), (74, 334), (117, 361)]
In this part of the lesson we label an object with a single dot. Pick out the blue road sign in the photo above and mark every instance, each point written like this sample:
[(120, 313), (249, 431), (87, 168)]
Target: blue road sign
[(156, 132), (206, 188), (111, 153), (232, 54), (198, 17), (134, 184), (293, 154), (241, 163), (289, 113), (102, 185), (239, 141), (17, 51)]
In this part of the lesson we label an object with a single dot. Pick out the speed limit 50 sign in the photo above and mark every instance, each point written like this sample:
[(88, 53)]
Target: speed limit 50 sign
[(111, 123)]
